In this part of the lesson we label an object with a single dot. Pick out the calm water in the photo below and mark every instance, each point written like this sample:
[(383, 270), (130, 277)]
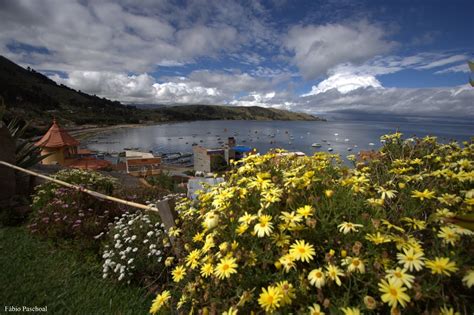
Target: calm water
[(294, 136)]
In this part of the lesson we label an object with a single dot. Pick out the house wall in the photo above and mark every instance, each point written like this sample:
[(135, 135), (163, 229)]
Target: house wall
[(56, 157), (202, 161)]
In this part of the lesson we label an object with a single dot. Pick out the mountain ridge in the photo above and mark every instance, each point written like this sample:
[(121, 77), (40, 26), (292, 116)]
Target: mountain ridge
[(34, 97)]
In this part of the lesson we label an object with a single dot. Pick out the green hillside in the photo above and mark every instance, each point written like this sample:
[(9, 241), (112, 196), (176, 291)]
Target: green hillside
[(34, 97)]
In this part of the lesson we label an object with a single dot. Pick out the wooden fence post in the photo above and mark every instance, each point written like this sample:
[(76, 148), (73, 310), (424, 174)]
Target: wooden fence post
[(168, 215)]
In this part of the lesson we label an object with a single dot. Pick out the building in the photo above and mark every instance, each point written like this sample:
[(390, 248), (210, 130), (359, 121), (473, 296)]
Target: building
[(208, 160), (211, 160), (141, 163), (58, 145)]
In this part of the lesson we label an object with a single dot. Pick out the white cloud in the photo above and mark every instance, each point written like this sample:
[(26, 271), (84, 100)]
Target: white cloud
[(463, 67), (124, 36), (454, 102), (185, 93), (345, 83), (444, 61), (204, 87), (319, 48)]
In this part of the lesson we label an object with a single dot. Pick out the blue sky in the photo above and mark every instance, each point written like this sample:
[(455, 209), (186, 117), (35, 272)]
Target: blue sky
[(384, 57)]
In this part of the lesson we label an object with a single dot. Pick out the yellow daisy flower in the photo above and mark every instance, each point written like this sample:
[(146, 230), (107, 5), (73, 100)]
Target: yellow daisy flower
[(288, 292), (264, 226), (468, 279), (346, 227), (247, 218), (303, 251), (399, 275), (333, 272), (317, 278), (270, 299), (288, 262), (315, 309), (178, 273), (377, 238), (422, 195), (354, 264), (411, 259), (159, 301), (305, 211), (225, 268), (393, 293), (444, 310), (448, 235), (207, 270), (350, 310), (441, 265), (192, 260)]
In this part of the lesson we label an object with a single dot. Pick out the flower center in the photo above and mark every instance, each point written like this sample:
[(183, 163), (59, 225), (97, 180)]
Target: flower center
[(301, 250), (393, 292), (225, 267)]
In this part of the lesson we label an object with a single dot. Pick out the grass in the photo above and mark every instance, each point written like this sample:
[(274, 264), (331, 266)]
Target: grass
[(35, 273)]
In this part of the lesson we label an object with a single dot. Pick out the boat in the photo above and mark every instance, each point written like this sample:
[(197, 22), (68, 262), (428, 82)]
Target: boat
[(371, 144), (349, 149), (346, 140), (330, 149), (336, 134), (316, 145)]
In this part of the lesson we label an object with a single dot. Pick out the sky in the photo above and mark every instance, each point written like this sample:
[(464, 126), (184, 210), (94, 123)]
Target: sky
[(394, 57)]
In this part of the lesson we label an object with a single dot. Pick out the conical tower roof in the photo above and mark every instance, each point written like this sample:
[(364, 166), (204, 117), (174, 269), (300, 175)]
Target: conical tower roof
[(56, 137)]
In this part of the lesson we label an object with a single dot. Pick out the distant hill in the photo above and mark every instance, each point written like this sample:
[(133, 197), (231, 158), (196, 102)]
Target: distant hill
[(36, 98), (213, 112)]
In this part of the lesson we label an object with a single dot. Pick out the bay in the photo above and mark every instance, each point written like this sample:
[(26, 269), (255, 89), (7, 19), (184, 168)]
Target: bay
[(264, 135)]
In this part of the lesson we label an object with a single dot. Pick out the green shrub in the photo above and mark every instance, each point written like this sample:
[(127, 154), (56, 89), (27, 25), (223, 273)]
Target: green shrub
[(291, 234), (62, 213), (136, 248)]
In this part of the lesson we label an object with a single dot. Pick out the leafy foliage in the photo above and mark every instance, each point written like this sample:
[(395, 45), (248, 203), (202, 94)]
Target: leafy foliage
[(291, 234), (26, 153), (135, 248)]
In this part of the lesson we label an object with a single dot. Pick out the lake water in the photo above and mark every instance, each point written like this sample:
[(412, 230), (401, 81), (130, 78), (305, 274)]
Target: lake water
[(290, 135)]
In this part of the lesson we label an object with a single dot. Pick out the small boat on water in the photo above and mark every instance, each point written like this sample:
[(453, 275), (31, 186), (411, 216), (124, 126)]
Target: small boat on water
[(371, 144), (316, 145), (330, 149), (349, 149), (346, 140), (336, 134)]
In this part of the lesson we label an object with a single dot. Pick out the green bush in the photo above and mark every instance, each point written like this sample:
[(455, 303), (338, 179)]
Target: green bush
[(66, 214), (291, 234), (135, 249)]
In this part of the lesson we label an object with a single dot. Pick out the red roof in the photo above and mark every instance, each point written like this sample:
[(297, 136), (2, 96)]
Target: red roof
[(89, 163), (56, 137)]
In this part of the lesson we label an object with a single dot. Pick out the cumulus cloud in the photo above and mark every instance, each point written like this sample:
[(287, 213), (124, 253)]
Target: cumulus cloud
[(345, 83), (199, 87), (319, 48), (123, 36)]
